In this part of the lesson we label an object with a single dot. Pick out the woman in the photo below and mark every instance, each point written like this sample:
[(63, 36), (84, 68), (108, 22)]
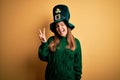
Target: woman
[(62, 52)]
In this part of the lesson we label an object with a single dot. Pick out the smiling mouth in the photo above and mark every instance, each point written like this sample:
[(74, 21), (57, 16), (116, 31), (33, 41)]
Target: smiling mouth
[(62, 31)]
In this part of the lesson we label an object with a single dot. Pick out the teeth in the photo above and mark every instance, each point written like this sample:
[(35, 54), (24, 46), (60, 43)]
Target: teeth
[(61, 31)]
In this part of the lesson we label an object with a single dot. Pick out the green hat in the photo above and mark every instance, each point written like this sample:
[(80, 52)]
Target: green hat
[(61, 13)]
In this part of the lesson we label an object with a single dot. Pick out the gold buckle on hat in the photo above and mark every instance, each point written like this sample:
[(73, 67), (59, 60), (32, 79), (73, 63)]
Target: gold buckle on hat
[(57, 16)]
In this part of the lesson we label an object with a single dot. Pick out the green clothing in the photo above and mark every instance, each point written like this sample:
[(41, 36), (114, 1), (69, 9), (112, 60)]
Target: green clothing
[(63, 64)]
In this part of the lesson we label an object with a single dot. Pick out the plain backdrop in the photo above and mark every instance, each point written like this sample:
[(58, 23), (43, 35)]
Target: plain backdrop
[(97, 26)]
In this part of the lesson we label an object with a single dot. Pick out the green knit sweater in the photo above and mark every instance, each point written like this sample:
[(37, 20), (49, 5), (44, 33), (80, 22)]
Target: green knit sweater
[(63, 64)]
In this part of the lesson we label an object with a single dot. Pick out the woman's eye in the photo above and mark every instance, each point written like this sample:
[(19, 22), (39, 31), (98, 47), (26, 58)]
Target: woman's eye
[(56, 26), (62, 24)]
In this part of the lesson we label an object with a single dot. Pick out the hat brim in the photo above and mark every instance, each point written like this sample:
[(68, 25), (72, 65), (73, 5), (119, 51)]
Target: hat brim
[(52, 25)]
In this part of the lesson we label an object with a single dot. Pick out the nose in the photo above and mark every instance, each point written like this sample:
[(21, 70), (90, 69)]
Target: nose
[(60, 27)]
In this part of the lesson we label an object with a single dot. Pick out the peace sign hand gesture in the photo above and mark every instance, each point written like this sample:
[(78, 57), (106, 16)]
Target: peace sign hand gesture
[(42, 36)]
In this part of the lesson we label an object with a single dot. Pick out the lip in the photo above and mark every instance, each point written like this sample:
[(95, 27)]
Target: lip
[(62, 31)]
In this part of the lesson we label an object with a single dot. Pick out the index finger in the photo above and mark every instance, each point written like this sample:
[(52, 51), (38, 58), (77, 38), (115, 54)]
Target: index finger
[(40, 31), (44, 31)]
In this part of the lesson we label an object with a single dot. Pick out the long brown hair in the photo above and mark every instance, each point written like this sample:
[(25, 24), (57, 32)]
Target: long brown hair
[(70, 41)]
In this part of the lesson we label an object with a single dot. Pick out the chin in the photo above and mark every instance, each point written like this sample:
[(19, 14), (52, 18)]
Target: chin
[(63, 35)]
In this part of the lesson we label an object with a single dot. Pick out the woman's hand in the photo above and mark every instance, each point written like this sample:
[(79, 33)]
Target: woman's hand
[(42, 36)]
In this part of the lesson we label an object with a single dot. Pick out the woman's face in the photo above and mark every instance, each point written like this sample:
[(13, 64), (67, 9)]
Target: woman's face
[(61, 29)]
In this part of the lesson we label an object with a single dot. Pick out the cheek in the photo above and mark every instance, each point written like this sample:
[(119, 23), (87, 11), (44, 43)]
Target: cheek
[(57, 30), (66, 31)]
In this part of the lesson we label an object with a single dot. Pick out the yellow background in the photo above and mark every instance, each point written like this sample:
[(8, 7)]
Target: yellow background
[(97, 26)]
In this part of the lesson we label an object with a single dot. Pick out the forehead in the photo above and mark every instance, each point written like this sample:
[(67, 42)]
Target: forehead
[(61, 22)]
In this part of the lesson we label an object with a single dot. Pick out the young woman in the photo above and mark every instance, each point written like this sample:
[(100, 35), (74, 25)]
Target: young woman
[(62, 52)]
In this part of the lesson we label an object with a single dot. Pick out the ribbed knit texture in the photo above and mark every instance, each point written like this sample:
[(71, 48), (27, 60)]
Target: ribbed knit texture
[(63, 64)]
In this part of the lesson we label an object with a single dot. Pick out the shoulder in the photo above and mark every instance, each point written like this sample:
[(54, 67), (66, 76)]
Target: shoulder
[(77, 41), (78, 44)]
